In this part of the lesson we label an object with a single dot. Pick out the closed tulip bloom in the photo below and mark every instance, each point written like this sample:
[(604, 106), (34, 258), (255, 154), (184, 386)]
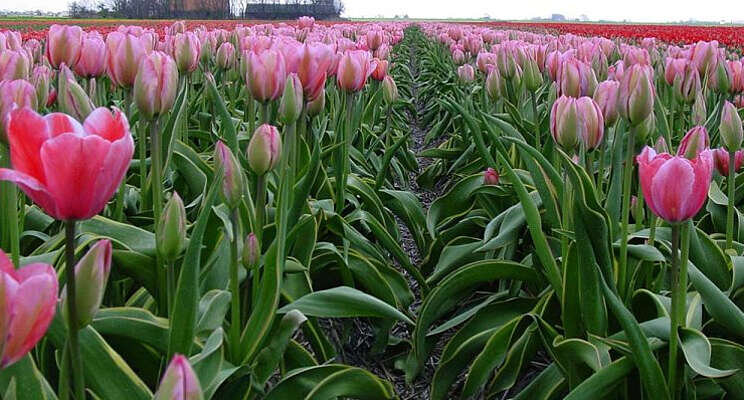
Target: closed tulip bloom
[(68, 169), (91, 276), (291, 103), (353, 70), (315, 59), (305, 22), (156, 84), (721, 80), (485, 61), (64, 43), (264, 149), (458, 57), (186, 49), (92, 62), (315, 107), (251, 251), (226, 56), (171, 229), (674, 67), (636, 95), (14, 94), (675, 188), (721, 160), (495, 85), (266, 74), (72, 97), (381, 70), (490, 177), (14, 65), (123, 55), (694, 142), (730, 127), (704, 56), (687, 84), (389, 90), (179, 382), (591, 121), (466, 73), (531, 75), (28, 299), (374, 39), (232, 178), (737, 75), (564, 123), (699, 113), (41, 79), (606, 97)]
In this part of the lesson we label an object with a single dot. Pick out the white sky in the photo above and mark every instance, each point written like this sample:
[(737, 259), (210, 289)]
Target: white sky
[(633, 10)]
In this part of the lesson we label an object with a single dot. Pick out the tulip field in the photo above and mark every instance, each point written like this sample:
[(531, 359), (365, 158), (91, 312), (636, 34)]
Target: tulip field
[(370, 210)]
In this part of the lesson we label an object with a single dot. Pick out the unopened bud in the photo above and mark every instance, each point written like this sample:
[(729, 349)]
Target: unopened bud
[(232, 178), (171, 233), (251, 251), (264, 149), (389, 90), (72, 97), (91, 275), (291, 103), (730, 128)]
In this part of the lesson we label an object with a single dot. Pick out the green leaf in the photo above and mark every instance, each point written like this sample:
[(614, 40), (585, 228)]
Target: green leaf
[(344, 302), (268, 359), (697, 349), (325, 382)]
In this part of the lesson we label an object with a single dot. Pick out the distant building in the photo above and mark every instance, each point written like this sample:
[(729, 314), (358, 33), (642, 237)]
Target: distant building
[(201, 8), (557, 17), (292, 9)]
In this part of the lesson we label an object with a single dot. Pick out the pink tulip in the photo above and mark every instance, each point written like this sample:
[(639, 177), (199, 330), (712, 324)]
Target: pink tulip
[(694, 142), (381, 70), (485, 61), (591, 121), (264, 149), (225, 56), (92, 62), (41, 78), (232, 178), (458, 57), (686, 83), (91, 276), (14, 65), (312, 70), (14, 94), (64, 43), (675, 188), (266, 74), (674, 67), (565, 125), (374, 39), (186, 49), (306, 22), (179, 382), (575, 78), (490, 177), (156, 84), (70, 170), (606, 97), (353, 70), (466, 73), (28, 297), (721, 159), (123, 55), (636, 96)]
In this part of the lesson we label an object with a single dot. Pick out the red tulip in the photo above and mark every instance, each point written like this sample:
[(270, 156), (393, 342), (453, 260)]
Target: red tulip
[(92, 60), (721, 159), (490, 177), (675, 188), (70, 170), (353, 70), (266, 74), (63, 44), (28, 297), (123, 55)]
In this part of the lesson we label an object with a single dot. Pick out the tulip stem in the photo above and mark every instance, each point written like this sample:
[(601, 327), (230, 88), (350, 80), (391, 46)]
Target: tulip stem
[(171, 294), (730, 210), (235, 289), (76, 363), (15, 244), (537, 120), (260, 206), (157, 208), (265, 111), (627, 180), (342, 155), (679, 299)]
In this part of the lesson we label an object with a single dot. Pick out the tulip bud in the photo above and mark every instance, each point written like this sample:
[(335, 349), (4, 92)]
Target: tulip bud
[(291, 103), (531, 75), (179, 382), (661, 145), (730, 127), (123, 55), (72, 97), (171, 233), (591, 122), (490, 177), (564, 123), (156, 84), (92, 60), (495, 86), (315, 107), (466, 73), (721, 159), (63, 44), (91, 276), (186, 52), (232, 179), (699, 114), (721, 80), (251, 251), (41, 79), (14, 65), (645, 128), (226, 56), (638, 212), (687, 84), (266, 74), (606, 97), (694, 142), (458, 57), (264, 149), (389, 90), (17, 93), (636, 96)]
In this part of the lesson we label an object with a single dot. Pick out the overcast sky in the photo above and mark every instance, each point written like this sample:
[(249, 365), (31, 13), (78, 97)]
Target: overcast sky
[(634, 10)]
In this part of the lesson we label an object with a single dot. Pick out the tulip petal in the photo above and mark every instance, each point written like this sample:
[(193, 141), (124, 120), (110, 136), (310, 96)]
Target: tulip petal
[(72, 165), (33, 189), (115, 167), (671, 188), (27, 131), (59, 123), (110, 125)]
